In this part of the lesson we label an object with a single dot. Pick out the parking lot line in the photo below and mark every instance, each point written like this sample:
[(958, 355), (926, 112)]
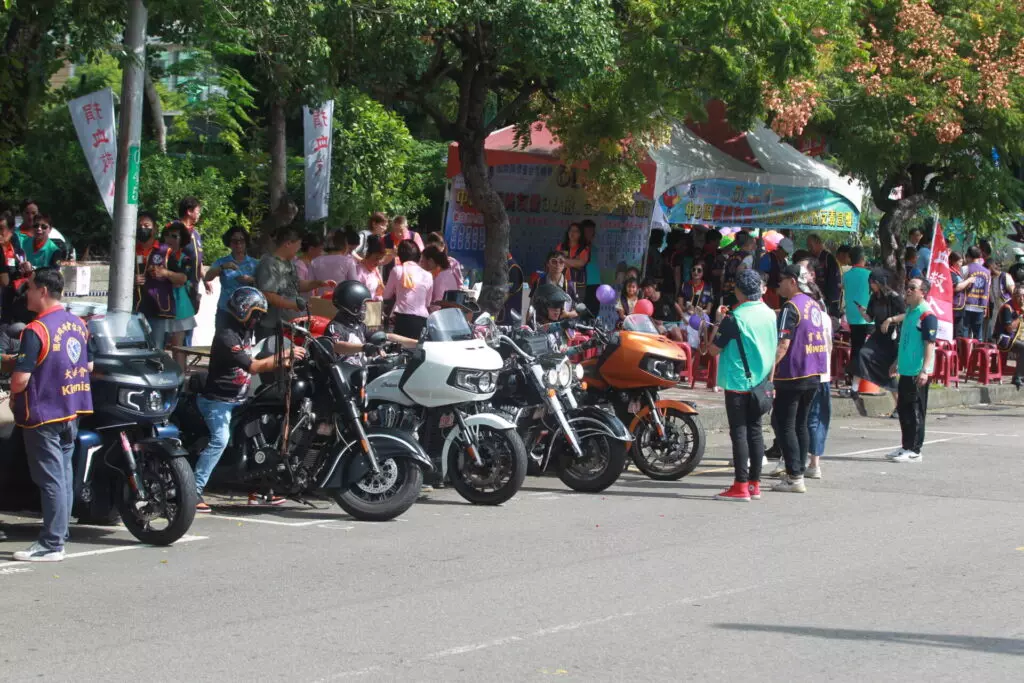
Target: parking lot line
[(107, 551), (272, 522)]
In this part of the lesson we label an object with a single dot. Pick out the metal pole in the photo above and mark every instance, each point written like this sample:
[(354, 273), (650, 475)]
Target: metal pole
[(129, 134)]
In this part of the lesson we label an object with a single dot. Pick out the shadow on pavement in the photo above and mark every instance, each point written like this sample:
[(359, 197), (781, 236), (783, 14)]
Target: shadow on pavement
[(1005, 646), (629, 494)]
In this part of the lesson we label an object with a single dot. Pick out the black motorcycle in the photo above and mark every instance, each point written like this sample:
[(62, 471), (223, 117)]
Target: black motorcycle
[(127, 459), (302, 435), (587, 446)]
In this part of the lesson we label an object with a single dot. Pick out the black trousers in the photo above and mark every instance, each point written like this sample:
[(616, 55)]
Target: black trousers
[(958, 325), (745, 433), (974, 324), (858, 335), (912, 406), (408, 325), (792, 406)]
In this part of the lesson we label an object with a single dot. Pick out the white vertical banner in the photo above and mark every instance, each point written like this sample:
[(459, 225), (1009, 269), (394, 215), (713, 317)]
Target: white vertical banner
[(317, 126), (93, 116)]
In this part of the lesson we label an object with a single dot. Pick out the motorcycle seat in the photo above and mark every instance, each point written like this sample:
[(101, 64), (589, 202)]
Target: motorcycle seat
[(196, 383)]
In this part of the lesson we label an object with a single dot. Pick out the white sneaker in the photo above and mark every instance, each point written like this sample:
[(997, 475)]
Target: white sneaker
[(37, 553), (896, 453), (907, 456), (764, 463), (813, 472), (779, 471), (791, 485)]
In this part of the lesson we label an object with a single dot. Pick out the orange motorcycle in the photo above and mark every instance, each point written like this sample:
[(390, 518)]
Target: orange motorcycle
[(631, 366)]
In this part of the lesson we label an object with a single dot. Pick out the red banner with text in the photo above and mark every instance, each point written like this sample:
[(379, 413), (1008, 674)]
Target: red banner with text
[(940, 298)]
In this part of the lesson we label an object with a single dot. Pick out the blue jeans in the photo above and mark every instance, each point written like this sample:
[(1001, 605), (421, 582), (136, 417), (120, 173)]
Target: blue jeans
[(49, 448), (819, 418), (218, 420), (974, 324)]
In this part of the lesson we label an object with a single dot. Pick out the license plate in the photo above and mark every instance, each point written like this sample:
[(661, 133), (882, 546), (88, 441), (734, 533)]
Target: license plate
[(447, 421), (634, 407)]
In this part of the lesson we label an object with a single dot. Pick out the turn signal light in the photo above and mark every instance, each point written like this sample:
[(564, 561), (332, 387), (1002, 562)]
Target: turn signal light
[(551, 393)]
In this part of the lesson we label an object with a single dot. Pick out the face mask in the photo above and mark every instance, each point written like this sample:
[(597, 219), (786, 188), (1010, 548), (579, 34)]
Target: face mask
[(143, 234)]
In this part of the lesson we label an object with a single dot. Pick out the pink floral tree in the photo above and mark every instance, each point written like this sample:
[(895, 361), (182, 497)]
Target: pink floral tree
[(924, 101)]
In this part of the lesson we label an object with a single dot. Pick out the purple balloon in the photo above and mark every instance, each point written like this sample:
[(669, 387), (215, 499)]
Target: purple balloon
[(695, 321), (606, 294)]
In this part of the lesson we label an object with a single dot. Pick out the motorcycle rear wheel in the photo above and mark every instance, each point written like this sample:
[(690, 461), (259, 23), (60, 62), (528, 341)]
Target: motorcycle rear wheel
[(502, 449), (385, 496), (685, 434), (170, 489), (603, 460)]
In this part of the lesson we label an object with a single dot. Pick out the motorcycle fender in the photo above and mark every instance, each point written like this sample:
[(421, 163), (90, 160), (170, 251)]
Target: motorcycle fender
[(662, 403), (486, 419), (387, 443), (165, 449), (593, 418)]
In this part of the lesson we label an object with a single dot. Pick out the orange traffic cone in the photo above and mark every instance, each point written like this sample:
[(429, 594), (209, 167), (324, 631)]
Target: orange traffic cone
[(868, 388)]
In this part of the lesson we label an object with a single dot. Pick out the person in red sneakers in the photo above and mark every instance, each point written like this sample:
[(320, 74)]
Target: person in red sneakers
[(746, 340)]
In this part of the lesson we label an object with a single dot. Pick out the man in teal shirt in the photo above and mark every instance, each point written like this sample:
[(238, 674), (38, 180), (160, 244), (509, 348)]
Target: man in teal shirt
[(914, 365), (752, 326), (856, 293)]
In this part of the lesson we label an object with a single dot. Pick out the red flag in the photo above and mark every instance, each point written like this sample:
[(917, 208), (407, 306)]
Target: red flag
[(940, 298)]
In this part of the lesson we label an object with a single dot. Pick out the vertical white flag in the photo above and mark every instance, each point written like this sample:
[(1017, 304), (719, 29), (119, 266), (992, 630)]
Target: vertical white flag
[(93, 116), (317, 125)]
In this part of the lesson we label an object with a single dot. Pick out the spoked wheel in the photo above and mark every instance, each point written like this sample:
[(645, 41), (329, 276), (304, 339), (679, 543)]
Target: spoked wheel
[(383, 496), (603, 460), (677, 454), (501, 472), (170, 504)]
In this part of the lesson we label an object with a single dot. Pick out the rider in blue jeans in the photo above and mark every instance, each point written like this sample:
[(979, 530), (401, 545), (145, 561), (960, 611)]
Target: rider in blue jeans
[(228, 379)]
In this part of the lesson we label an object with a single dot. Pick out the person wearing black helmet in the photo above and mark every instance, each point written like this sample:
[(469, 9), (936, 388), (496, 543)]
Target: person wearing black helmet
[(348, 329), (228, 378), (550, 303)]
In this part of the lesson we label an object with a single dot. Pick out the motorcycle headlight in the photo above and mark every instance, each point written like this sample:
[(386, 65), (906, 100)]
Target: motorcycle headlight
[(661, 367), (578, 370), (564, 374), (474, 381), (551, 377), (142, 401)]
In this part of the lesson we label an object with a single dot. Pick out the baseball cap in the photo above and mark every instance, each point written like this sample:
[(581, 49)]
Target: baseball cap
[(786, 245)]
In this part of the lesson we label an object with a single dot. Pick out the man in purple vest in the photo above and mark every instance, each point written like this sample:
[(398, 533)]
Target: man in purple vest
[(50, 389), (976, 304), (800, 360)]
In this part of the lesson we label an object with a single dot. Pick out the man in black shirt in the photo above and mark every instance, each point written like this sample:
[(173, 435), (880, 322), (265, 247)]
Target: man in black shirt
[(827, 275), (348, 330), (665, 310), (228, 379)]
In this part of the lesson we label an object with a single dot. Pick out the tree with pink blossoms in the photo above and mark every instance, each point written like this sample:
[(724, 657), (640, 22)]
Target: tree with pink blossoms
[(924, 101)]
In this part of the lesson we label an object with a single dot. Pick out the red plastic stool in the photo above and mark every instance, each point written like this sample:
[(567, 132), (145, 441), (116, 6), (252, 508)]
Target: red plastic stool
[(841, 357), (712, 370), (688, 355), (947, 366), (965, 346), (985, 365)]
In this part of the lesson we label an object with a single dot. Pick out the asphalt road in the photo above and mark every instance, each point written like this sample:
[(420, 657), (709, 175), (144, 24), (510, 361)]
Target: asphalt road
[(881, 572)]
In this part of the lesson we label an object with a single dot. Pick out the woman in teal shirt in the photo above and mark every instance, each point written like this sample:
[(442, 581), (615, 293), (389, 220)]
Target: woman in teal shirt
[(235, 270)]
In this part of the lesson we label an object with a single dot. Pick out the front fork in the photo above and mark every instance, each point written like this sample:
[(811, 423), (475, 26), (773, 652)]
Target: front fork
[(133, 473), (354, 415), (652, 403), (471, 447), (555, 405)]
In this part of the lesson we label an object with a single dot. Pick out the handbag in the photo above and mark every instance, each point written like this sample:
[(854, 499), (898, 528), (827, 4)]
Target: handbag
[(764, 393)]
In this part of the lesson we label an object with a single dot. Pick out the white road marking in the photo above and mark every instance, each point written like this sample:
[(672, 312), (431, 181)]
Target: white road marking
[(558, 628), (254, 520), (107, 551), (14, 570), (932, 431), (337, 528), (879, 450)]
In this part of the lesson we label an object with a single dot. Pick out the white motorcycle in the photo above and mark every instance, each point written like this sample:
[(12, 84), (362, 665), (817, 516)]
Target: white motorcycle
[(440, 391)]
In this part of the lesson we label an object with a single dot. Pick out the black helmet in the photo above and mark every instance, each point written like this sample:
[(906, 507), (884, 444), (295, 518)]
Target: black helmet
[(548, 296), (247, 305), (350, 299)]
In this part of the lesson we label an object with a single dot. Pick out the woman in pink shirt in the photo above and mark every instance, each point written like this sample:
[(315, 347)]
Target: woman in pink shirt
[(312, 248), (412, 289), (340, 264), (435, 262), (368, 270), (436, 239)]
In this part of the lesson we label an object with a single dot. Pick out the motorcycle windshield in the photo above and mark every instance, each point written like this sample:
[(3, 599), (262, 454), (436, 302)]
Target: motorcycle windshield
[(119, 331), (639, 323), (447, 324)]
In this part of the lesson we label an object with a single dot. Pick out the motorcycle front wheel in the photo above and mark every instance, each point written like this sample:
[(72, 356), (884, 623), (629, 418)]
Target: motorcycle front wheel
[(676, 455), (502, 470), (383, 496), (170, 504), (603, 460)]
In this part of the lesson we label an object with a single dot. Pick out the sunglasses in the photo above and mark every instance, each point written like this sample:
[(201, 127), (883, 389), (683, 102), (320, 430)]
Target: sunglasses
[(697, 270), (42, 226)]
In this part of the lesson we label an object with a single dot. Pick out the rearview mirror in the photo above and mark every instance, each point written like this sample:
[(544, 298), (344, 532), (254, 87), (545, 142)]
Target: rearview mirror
[(378, 339), (582, 311), (483, 319), (516, 317)]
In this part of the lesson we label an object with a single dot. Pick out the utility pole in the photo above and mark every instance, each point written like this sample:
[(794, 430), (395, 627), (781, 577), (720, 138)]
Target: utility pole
[(126, 184)]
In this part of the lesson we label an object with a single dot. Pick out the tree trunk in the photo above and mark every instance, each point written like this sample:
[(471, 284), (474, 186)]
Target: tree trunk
[(892, 233), (156, 110), (277, 135), (496, 225)]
